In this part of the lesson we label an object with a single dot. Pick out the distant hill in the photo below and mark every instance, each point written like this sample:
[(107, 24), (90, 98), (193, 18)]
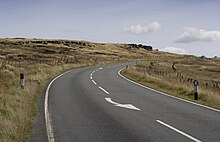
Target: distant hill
[(40, 60), (49, 50)]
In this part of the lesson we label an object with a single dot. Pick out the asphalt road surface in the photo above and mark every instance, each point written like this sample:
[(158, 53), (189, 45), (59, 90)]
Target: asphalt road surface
[(98, 105)]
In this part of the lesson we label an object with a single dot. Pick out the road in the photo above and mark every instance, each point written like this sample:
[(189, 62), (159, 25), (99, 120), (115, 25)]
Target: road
[(97, 104)]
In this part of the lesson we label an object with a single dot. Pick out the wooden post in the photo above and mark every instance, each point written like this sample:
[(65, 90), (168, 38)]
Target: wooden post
[(22, 80)]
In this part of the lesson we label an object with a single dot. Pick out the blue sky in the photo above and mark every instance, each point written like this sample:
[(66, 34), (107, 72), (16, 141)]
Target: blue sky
[(180, 26)]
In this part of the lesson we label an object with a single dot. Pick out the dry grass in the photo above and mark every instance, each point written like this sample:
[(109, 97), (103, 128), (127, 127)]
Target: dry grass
[(18, 106), (178, 81), (40, 61)]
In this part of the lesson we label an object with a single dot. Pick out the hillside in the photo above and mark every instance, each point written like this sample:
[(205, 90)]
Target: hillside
[(40, 60), (47, 51)]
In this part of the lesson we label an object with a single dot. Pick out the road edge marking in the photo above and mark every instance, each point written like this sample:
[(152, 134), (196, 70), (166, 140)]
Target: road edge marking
[(207, 107), (48, 120), (178, 131)]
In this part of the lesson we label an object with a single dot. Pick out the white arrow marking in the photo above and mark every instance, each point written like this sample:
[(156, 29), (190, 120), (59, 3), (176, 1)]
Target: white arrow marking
[(110, 101), (129, 106)]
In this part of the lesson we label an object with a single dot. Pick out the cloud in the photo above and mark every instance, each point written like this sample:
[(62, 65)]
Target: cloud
[(192, 34), (143, 29), (174, 50)]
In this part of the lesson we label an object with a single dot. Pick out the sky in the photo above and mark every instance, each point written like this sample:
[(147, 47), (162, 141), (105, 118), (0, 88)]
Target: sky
[(178, 26)]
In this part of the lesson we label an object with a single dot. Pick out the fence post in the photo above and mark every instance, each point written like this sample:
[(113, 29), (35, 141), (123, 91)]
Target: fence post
[(22, 80)]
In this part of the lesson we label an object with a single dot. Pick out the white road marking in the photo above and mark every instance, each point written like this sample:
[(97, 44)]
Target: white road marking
[(178, 131), (90, 77), (48, 119), (99, 69), (128, 106), (217, 110), (110, 101), (94, 82), (103, 90)]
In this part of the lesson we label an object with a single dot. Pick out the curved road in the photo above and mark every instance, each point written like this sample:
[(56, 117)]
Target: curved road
[(97, 104)]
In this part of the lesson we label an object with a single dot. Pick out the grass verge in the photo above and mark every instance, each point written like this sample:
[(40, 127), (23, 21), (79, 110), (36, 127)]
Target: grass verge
[(18, 106), (173, 88)]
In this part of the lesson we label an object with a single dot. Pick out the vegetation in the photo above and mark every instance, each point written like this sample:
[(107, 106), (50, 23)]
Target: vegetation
[(40, 61), (174, 74)]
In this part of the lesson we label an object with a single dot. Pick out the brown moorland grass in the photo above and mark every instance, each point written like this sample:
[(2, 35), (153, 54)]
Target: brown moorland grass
[(41, 60), (174, 74), (19, 106)]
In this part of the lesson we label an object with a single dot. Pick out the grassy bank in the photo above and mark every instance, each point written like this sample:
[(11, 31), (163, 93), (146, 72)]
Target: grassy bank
[(18, 106), (40, 61), (178, 82)]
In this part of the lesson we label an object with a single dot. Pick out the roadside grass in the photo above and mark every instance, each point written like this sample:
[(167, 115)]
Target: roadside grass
[(40, 61), (173, 87), (19, 106)]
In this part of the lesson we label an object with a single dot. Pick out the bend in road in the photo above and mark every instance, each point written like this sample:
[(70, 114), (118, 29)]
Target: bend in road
[(90, 105)]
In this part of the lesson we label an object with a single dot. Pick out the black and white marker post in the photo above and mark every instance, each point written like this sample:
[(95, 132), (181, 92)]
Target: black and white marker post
[(22, 80), (196, 83)]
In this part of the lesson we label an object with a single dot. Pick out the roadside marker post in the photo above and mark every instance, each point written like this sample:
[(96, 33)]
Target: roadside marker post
[(196, 83), (22, 80)]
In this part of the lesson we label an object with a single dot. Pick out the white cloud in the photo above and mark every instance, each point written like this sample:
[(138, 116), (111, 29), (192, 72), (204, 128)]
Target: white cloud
[(174, 50), (192, 34), (143, 29)]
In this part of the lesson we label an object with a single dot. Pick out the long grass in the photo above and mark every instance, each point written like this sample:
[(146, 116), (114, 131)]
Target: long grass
[(40, 61), (173, 87), (18, 106)]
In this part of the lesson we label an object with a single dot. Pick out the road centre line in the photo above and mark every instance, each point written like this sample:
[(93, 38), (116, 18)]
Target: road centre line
[(99, 69), (103, 90), (94, 82), (178, 131)]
